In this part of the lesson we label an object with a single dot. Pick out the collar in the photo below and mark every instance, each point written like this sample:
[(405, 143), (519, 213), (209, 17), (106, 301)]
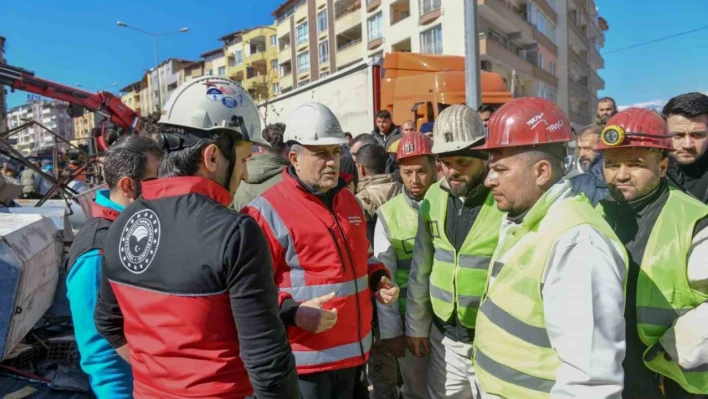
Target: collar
[(103, 207), (177, 186), (559, 192), (290, 177), (374, 180), (646, 204), (414, 203)]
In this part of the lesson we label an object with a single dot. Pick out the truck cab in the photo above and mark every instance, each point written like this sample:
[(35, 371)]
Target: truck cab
[(419, 86)]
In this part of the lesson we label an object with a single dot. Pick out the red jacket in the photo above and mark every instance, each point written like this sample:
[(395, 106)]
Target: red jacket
[(318, 249)]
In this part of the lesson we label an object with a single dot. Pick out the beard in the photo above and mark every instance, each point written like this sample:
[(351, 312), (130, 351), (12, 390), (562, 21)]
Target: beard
[(464, 189)]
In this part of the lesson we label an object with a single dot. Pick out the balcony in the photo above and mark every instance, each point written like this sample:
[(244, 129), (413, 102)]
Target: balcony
[(491, 50), (257, 57), (255, 81), (285, 56), (577, 59), (596, 60), (596, 82), (578, 31), (542, 74), (547, 9), (346, 7), (350, 53), (286, 82), (301, 13), (579, 87), (507, 16), (346, 22), (400, 10), (544, 41)]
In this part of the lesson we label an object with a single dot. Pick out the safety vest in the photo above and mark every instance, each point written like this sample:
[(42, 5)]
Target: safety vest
[(663, 293), (513, 354), (457, 279), (401, 221)]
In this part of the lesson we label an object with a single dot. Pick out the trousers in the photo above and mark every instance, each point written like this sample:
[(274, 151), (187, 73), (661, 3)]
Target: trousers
[(450, 370), (337, 384)]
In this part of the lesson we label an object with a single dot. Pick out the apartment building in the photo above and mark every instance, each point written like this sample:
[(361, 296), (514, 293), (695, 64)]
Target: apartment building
[(131, 95), (3, 92), (51, 114), (545, 48), (252, 59), (162, 82), (83, 126)]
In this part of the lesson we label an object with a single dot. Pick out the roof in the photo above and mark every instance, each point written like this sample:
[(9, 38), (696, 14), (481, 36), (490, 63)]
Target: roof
[(282, 7), (230, 35), (131, 87), (212, 52)]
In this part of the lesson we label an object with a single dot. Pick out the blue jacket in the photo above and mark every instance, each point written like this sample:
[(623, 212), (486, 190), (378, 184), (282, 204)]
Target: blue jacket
[(109, 374), (592, 183)]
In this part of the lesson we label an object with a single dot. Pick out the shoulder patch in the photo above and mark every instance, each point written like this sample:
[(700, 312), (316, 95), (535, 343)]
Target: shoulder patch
[(139, 241)]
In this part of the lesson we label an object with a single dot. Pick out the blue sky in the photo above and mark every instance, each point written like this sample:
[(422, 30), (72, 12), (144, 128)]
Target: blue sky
[(79, 42)]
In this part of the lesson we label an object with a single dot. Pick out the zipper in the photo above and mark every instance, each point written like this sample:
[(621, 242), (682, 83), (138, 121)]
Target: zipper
[(356, 286), (339, 250)]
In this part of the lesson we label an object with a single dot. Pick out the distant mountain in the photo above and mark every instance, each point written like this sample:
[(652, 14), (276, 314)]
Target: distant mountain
[(656, 105)]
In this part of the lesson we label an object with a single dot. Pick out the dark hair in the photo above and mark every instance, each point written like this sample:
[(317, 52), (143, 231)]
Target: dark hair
[(347, 134), (689, 105), (373, 157), (185, 162), (127, 157), (365, 139), (346, 165), (273, 134), (592, 128), (605, 99), (383, 114), (485, 108)]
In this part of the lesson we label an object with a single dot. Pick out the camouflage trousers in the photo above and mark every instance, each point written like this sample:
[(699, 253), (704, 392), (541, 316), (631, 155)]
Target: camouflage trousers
[(383, 372)]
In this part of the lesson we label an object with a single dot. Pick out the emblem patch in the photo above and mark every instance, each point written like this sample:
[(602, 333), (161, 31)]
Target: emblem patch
[(139, 241), (214, 94)]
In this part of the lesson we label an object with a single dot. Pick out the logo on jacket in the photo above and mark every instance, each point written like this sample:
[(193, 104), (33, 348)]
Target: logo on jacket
[(139, 241), (355, 220)]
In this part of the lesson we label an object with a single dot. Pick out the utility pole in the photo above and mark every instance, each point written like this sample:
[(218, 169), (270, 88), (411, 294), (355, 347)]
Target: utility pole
[(473, 89)]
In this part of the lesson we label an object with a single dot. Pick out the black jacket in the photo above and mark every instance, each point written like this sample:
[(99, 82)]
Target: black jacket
[(691, 179), (188, 283), (592, 183)]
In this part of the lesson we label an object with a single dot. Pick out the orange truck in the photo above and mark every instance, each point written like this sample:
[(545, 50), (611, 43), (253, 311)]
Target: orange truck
[(409, 85)]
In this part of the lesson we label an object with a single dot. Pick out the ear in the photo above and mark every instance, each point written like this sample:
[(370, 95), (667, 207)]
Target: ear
[(209, 158), (663, 165), (543, 172), (293, 158), (360, 169), (127, 187)]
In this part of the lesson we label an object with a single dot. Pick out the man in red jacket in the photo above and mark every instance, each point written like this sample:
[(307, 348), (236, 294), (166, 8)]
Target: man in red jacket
[(324, 267)]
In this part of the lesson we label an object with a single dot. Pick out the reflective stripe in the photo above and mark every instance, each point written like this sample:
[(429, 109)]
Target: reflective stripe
[(504, 320), (474, 262), (496, 268), (331, 355), (507, 374), (405, 264), (443, 255), (659, 316), (282, 234), (467, 261), (440, 294), (466, 301), (373, 260), (341, 290)]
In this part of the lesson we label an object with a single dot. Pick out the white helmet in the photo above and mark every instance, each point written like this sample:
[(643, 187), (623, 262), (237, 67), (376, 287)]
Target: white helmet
[(313, 124), (456, 128), (209, 104)]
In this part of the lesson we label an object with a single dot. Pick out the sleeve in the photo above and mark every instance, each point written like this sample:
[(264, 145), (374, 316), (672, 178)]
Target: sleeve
[(110, 375), (687, 340), (419, 312), (108, 316), (265, 349), (584, 303), (390, 321), (285, 302)]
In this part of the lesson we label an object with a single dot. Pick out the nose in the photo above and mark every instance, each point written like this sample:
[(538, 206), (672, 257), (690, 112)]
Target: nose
[(623, 174), (491, 179), (686, 142)]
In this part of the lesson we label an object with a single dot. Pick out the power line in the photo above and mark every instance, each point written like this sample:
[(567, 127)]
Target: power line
[(655, 40)]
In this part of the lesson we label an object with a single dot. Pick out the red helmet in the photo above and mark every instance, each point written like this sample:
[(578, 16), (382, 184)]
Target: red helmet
[(636, 127), (412, 145), (527, 121)]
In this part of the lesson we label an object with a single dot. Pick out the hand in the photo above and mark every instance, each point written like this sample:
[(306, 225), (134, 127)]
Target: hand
[(124, 353), (396, 345), (418, 346), (311, 317), (388, 292)]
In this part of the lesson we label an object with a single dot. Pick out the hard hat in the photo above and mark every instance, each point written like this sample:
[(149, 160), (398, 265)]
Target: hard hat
[(210, 104), (456, 128), (313, 124), (412, 145), (393, 147), (527, 121), (635, 127)]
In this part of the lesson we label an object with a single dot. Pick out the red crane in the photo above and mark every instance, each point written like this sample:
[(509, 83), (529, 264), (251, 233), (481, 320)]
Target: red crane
[(123, 118)]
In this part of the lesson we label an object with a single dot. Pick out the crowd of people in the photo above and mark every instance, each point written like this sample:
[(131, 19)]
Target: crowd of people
[(458, 260)]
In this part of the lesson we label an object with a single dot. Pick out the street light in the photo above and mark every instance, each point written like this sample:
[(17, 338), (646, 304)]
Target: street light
[(114, 84), (154, 38)]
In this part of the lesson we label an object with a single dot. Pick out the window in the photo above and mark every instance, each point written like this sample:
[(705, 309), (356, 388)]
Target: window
[(274, 65), (541, 61), (302, 35), (222, 71), (304, 82), (553, 68), (239, 57), (322, 21), (303, 62), (536, 17), (324, 52), (431, 41), (276, 88), (273, 40), (427, 6), (208, 73), (375, 26)]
